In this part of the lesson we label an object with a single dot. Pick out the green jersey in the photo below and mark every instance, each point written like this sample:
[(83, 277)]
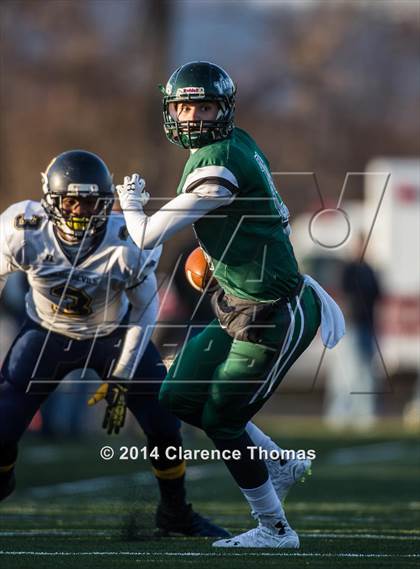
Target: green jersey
[(247, 240)]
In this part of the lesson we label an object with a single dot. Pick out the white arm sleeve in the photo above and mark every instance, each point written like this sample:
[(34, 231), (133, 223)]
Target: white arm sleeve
[(185, 209), (144, 302)]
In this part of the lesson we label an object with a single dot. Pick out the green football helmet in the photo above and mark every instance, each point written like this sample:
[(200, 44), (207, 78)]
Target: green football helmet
[(198, 81)]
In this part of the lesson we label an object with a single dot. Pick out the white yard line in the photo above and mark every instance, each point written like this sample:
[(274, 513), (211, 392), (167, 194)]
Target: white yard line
[(199, 554), (113, 532), (360, 536)]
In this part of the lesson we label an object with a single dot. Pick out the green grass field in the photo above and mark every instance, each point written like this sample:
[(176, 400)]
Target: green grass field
[(359, 509)]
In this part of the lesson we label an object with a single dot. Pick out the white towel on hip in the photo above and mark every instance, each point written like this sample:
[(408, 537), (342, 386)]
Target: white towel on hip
[(333, 326)]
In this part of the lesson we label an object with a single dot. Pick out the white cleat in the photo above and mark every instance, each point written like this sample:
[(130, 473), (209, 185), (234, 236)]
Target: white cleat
[(284, 476), (263, 536)]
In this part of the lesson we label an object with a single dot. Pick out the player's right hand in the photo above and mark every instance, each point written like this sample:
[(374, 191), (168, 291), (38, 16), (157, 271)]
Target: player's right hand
[(132, 192), (115, 395)]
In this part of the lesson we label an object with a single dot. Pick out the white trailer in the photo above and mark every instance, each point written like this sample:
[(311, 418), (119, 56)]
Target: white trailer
[(394, 250), (389, 217)]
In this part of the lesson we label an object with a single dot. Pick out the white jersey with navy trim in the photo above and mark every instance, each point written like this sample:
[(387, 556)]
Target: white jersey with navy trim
[(83, 298)]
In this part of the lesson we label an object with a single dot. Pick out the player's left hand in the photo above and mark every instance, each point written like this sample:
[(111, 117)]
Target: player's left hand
[(132, 192), (115, 394)]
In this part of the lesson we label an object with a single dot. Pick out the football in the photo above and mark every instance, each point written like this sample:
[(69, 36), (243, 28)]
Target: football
[(198, 272)]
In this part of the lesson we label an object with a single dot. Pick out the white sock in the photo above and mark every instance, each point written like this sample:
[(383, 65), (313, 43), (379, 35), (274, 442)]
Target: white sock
[(260, 439), (265, 503)]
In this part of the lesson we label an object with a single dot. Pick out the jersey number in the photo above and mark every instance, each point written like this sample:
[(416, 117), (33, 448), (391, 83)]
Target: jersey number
[(73, 301)]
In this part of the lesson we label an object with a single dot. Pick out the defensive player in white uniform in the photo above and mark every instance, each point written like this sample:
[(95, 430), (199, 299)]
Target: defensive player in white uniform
[(92, 304)]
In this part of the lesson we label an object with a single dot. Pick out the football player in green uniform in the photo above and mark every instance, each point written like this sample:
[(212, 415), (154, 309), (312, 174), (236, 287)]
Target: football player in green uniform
[(267, 312)]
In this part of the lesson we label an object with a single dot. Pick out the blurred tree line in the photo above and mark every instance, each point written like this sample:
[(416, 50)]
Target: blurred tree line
[(329, 87)]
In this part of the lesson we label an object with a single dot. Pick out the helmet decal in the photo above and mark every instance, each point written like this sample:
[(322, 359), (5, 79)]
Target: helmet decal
[(185, 91)]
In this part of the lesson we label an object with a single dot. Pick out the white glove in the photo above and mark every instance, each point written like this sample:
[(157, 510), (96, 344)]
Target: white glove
[(131, 192)]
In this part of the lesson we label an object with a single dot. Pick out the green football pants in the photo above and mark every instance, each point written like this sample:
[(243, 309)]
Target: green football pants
[(218, 383)]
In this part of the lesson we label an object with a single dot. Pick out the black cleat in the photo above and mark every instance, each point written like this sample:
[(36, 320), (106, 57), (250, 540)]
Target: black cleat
[(7, 484), (185, 521)]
